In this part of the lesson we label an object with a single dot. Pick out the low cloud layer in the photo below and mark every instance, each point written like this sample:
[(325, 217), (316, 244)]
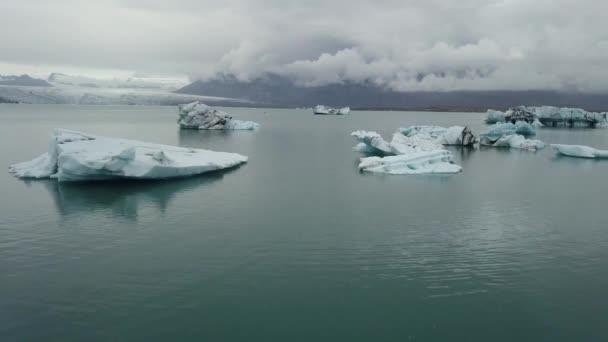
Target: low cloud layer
[(408, 45)]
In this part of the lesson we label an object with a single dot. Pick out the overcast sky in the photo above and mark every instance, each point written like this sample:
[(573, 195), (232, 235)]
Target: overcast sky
[(403, 44)]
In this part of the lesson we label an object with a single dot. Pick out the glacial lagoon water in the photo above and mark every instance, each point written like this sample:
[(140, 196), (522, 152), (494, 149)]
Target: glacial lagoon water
[(298, 245)]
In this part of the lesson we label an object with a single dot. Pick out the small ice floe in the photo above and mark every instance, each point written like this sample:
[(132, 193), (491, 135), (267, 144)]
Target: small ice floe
[(197, 115), (75, 156), (325, 110), (580, 151)]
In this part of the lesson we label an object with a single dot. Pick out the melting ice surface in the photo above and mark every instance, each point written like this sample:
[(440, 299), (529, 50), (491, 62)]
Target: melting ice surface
[(413, 150), (198, 115), (75, 156)]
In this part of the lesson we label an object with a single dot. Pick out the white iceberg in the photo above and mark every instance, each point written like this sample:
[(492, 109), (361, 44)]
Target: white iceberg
[(455, 135), (549, 116), (423, 162), (506, 128), (417, 153), (325, 110), (75, 156), (512, 141), (198, 115), (580, 151)]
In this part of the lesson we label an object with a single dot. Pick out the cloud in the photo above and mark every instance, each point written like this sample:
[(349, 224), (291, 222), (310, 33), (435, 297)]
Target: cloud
[(404, 45)]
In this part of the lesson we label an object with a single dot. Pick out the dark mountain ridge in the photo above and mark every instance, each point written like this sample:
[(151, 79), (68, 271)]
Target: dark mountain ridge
[(277, 91)]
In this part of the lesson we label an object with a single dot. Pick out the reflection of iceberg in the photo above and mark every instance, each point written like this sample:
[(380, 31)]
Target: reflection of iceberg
[(580, 151), (198, 115), (414, 150), (549, 116), (125, 199), (325, 110), (75, 156)]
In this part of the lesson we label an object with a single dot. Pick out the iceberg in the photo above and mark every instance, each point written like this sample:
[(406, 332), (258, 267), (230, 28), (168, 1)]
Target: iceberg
[(423, 162), (416, 150), (580, 151), (198, 115), (455, 135), (520, 127), (512, 141), (325, 110), (76, 156), (549, 116)]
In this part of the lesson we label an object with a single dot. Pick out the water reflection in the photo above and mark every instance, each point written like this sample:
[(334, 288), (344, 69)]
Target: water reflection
[(123, 198)]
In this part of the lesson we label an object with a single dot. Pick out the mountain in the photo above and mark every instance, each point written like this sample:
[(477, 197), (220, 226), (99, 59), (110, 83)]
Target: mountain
[(23, 80), (67, 89), (273, 90)]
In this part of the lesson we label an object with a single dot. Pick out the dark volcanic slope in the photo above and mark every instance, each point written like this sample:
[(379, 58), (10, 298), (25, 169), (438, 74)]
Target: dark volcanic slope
[(23, 80), (274, 90)]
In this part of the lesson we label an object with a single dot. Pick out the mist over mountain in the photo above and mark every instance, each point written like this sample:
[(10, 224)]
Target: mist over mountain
[(274, 90), (23, 80)]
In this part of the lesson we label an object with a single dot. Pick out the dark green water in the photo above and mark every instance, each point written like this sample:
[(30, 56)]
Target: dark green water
[(297, 245)]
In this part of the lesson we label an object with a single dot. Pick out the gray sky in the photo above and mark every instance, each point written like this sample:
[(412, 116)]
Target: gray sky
[(403, 44)]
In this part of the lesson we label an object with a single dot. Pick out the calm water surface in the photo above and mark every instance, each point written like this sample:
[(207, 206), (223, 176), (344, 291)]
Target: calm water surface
[(297, 245)]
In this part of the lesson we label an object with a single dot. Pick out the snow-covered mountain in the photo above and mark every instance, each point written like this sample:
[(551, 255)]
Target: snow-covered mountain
[(68, 89)]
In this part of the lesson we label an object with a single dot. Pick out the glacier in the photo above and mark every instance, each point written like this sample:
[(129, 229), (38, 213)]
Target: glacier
[(413, 150), (198, 115), (549, 116), (580, 151), (76, 156), (325, 110), (68, 89)]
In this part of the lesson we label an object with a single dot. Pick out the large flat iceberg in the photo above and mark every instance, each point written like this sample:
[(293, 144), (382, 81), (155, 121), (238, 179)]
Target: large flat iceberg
[(549, 116), (198, 115), (76, 156), (325, 110), (580, 151)]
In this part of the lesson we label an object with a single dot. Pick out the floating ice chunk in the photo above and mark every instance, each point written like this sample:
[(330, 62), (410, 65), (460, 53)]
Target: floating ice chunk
[(455, 135), (579, 151), (198, 115), (499, 129), (494, 116), (423, 162), (371, 143), (325, 110), (75, 156), (512, 141)]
